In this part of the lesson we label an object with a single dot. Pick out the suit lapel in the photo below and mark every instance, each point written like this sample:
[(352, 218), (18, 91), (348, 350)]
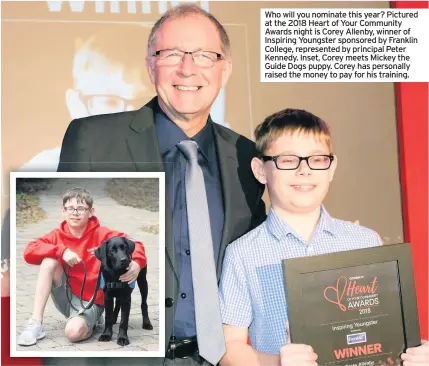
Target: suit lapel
[(227, 158), (142, 140)]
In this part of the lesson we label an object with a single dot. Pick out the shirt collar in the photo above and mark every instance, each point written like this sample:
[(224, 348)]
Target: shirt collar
[(277, 226), (280, 228), (173, 134), (205, 138), (326, 222)]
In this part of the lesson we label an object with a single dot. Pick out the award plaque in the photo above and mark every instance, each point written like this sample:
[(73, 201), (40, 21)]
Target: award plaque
[(355, 308)]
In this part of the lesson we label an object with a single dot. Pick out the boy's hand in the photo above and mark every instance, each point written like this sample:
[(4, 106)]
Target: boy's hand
[(71, 258), (297, 355), (132, 273), (417, 356)]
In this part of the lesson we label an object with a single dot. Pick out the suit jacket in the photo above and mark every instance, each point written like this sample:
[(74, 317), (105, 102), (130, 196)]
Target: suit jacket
[(128, 142)]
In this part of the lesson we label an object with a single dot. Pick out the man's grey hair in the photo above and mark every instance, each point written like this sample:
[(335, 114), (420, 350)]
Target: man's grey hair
[(182, 11)]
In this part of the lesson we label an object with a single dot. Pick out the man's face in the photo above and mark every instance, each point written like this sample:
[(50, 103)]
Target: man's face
[(301, 190), (77, 213), (106, 90), (186, 90)]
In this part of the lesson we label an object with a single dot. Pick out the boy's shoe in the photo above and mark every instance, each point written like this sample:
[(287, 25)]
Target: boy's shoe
[(32, 333)]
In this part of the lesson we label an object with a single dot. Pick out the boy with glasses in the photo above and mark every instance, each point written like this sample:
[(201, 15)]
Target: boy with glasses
[(297, 164), (64, 249)]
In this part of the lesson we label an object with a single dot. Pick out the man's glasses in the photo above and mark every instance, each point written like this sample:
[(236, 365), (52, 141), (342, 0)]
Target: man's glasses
[(292, 162), (173, 57), (79, 210)]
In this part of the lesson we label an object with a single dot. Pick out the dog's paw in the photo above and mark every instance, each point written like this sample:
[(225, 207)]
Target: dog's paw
[(105, 338), (123, 341), (147, 325)]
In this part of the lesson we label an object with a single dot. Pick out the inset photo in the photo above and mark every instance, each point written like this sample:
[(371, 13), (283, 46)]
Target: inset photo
[(87, 264)]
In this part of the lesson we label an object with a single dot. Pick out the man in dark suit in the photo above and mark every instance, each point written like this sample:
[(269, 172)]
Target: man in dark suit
[(189, 62)]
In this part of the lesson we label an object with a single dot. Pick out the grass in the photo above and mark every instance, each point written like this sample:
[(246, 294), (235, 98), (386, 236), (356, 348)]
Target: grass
[(153, 229), (27, 200), (135, 192), (28, 210)]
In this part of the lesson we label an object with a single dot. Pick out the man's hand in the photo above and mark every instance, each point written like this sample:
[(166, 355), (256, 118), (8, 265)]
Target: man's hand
[(132, 273), (71, 258), (297, 355), (417, 356)]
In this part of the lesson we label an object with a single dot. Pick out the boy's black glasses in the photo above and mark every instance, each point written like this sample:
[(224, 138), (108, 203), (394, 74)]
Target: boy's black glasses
[(80, 209), (292, 162)]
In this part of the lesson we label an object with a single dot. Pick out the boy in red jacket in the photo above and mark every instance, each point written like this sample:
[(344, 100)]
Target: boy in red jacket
[(68, 246)]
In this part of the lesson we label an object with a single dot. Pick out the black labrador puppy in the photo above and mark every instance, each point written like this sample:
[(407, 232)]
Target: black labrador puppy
[(115, 256)]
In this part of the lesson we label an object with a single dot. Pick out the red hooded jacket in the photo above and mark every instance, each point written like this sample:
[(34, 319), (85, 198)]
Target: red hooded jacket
[(57, 241)]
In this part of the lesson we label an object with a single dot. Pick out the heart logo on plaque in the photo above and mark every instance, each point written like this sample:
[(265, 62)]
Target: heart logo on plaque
[(332, 294)]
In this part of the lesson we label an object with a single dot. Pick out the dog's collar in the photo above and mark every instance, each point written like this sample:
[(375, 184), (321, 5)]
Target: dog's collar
[(118, 284)]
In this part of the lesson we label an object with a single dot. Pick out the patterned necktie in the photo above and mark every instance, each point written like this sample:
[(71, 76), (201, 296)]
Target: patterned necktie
[(211, 341)]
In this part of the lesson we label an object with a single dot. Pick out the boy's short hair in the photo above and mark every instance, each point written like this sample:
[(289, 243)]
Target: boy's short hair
[(289, 121), (81, 195)]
